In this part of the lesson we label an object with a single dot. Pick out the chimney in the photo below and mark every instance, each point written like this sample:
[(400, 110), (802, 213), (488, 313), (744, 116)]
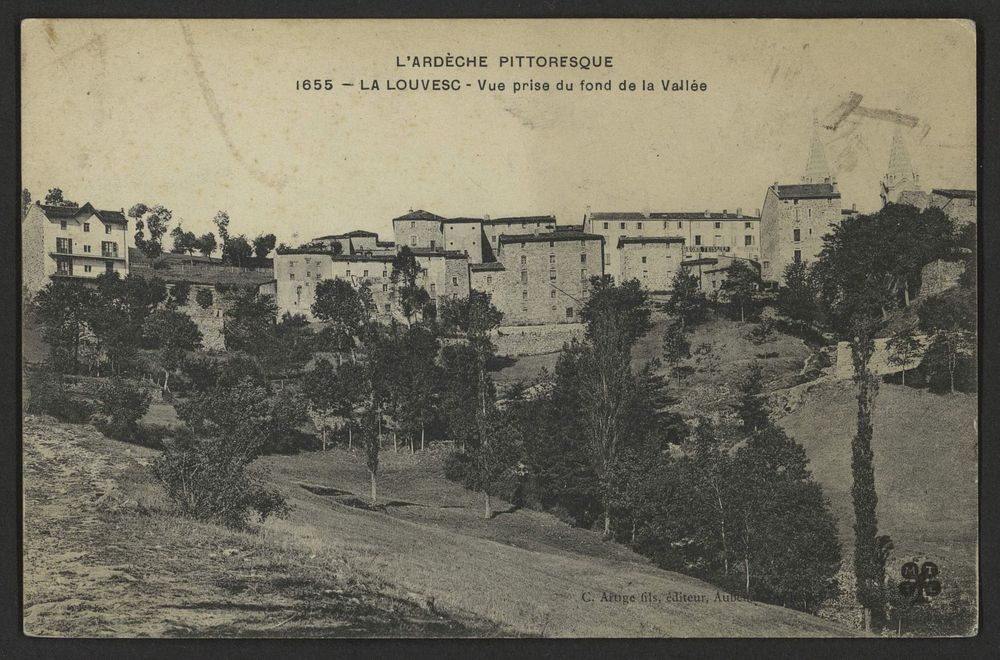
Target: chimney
[(708, 213), (588, 212), (739, 212), (486, 216), (854, 206), (724, 212)]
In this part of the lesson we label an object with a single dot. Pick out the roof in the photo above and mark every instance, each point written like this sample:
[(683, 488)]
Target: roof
[(806, 191), (488, 266), (419, 214), (436, 252), (642, 240), (955, 193), (358, 257), (549, 236), (107, 217), (701, 261), (673, 215), (568, 228), (357, 233), (616, 215), (520, 218)]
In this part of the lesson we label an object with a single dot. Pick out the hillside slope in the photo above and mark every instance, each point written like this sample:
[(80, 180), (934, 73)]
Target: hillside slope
[(104, 558)]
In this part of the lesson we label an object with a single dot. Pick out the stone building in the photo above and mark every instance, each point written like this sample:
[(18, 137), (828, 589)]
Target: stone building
[(900, 178), (541, 277), (653, 260), (795, 217), (72, 242), (703, 233), (476, 237)]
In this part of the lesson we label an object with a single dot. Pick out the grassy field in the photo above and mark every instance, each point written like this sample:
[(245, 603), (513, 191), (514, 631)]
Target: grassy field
[(105, 557), (926, 474)]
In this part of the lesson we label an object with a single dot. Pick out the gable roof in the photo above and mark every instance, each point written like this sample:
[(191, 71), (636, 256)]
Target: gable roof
[(419, 214), (61, 212), (642, 240), (806, 191), (673, 215), (549, 236), (112, 217)]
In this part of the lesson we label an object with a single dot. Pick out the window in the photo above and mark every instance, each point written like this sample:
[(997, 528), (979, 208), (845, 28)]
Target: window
[(697, 239), (522, 246), (552, 258), (413, 240), (569, 312), (433, 288), (552, 276), (109, 267), (86, 226), (309, 273), (64, 246), (489, 279), (583, 258), (87, 269), (347, 273), (86, 248), (552, 244), (809, 213), (291, 276), (664, 224), (454, 281), (795, 201), (605, 225), (318, 276), (524, 260), (767, 264), (385, 273), (298, 295), (524, 308), (412, 224), (524, 295), (796, 235), (644, 260), (434, 244), (62, 224), (385, 287), (366, 274), (796, 215), (552, 293), (746, 225), (109, 249), (645, 274), (291, 264), (423, 272), (718, 225), (387, 308), (638, 225), (798, 256), (64, 266), (107, 229), (680, 225), (524, 277), (748, 240), (583, 274)]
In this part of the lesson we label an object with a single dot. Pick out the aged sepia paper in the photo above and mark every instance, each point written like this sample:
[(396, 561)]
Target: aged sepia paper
[(499, 328)]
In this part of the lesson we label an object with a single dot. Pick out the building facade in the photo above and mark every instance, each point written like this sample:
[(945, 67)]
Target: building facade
[(652, 260), (72, 242), (793, 221)]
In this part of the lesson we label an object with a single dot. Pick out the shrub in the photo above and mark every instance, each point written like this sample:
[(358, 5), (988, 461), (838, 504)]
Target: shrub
[(204, 298), (458, 467), (123, 404), (762, 332), (208, 480), (47, 395)]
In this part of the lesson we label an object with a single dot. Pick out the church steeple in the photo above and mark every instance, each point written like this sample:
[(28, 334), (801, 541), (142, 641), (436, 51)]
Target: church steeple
[(900, 176), (817, 169)]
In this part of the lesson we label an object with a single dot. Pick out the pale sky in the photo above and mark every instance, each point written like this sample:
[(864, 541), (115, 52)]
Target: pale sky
[(204, 115)]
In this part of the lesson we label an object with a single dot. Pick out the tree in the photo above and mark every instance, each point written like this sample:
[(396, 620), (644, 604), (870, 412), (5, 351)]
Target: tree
[(206, 244), (204, 298), (752, 408), (25, 201), (154, 219), (416, 380), (236, 250), (55, 198), (494, 460), (950, 320), (124, 404), (263, 244), (185, 242), (903, 348), (676, 346), (476, 317), (335, 392), (174, 334), (797, 298), (346, 309), (248, 323), (64, 308), (686, 302), (180, 292), (370, 423), (221, 222), (627, 300), (741, 282), (868, 265), (405, 270), (465, 391)]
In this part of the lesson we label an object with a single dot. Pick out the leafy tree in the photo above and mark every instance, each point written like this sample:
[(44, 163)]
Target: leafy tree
[(120, 308), (416, 380), (627, 300), (174, 334), (951, 322), (372, 439), (496, 457), (903, 348), (236, 250), (475, 316), (180, 292), (154, 219), (676, 346), (221, 222), (742, 281), (752, 408), (347, 310), (335, 391), (405, 270), (185, 242), (124, 404), (248, 323), (263, 244), (55, 198), (797, 298), (204, 298), (686, 302), (206, 244), (465, 390), (64, 308), (25, 201)]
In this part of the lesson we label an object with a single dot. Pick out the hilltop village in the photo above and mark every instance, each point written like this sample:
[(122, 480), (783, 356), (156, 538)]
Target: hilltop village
[(536, 270)]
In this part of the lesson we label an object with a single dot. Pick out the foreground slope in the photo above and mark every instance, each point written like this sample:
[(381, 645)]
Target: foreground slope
[(103, 557)]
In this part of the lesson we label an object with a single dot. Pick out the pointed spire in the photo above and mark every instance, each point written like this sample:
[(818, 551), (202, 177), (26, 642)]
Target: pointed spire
[(817, 169), (900, 173)]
